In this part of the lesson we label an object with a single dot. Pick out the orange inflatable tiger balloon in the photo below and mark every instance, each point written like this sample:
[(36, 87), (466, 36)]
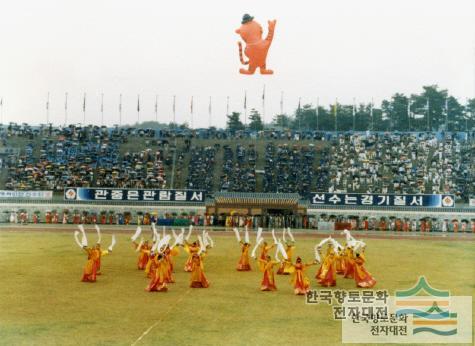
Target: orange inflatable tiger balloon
[(256, 48)]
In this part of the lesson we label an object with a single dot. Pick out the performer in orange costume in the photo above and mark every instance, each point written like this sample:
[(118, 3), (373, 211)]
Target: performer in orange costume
[(243, 264), (326, 275), (169, 254), (263, 256), (340, 262), (267, 267), (159, 270), (362, 277), (299, 279), (256, 48), (349, 263), (143, 257), (191, 249), (93, 259), (198, 278), (284, 268)]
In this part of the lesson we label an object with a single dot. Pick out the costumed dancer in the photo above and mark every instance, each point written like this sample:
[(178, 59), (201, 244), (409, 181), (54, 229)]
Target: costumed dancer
[(198, 278), (284, 268), (172, 251), (299, 280), (243, 264), (326, 274), (362, 277), (264, 248), (190, 249), (143, 248), (267, 267), (158, 267), (93, 255)]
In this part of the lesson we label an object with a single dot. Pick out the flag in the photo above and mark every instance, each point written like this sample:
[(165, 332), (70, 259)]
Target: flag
[(298, 108), (120, 103), (209, 106), (227, 105), (245, 100), (156, 104), (84, 103), (174, 99), (47, 103), (335, 107), (354, 107), (138, 103), (264, 93), (1, 102), (66, 101), (191, 105)]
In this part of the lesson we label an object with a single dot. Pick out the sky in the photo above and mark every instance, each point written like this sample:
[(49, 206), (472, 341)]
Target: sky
[(322, 51)]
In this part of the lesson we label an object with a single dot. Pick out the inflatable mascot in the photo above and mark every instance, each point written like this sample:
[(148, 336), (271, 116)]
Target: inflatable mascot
[(256, 48)]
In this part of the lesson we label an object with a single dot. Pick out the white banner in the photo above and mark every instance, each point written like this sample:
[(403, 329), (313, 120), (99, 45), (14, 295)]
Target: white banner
[(472, 202), (26, 194)]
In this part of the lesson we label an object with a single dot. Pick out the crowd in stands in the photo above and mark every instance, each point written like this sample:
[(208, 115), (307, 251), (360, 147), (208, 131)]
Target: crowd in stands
[(402, 163), (289, 168), (398, 163)]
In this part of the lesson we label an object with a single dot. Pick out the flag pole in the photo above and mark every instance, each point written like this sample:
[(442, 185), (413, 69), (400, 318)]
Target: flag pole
[(138, 109), (1, 110), (65, 109), (281, 102), (120, 109), (264, 105), (174, 110), (354, 114), (316, 110), (191, 113), (245, 107), (156, 108), (409, 113), (47, 110), (102, 109), (227, 105), (371, 114), (210, 110), (84, 109), (335, 110)]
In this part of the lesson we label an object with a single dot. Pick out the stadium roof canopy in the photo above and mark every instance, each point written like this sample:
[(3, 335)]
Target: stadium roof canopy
[(256, 198)]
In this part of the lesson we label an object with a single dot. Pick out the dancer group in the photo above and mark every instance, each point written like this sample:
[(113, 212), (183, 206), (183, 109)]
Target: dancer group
[(347, 261), (156, 258)]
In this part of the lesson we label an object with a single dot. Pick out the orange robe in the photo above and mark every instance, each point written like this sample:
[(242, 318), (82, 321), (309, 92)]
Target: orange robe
[(90, 269), (362, 277), (268, 282), (198, 278), (169, 254), (264, 250), (98, 255), (340, 263), (158, 282), (190, 250), (243, 264), (299, 280), (349, 264), (326, 275), (143, 256), (285, 267)]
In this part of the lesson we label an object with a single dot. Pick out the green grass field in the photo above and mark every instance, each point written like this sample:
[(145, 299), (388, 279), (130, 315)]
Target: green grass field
[(43, 302)]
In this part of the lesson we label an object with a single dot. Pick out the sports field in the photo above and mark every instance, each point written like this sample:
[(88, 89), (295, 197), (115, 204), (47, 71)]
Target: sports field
[(43, 302)]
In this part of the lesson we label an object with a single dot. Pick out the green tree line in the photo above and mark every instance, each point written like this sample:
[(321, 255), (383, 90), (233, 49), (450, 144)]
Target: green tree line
[(431, 110)]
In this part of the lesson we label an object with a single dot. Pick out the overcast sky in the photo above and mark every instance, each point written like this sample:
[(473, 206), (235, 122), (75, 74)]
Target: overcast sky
[(322, 49)]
